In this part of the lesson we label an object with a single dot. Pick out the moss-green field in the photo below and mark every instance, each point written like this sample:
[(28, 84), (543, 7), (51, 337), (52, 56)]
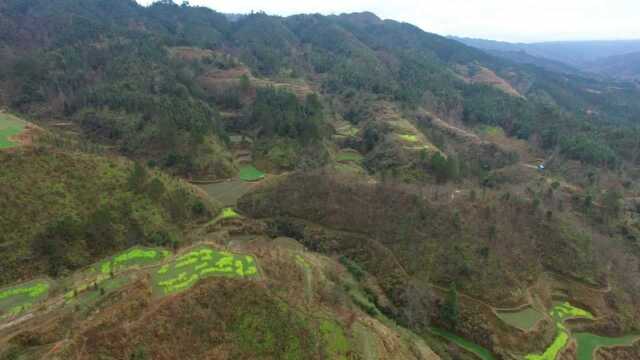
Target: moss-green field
[(560, 312), (408, 138), (226, 193), (348, 156), (524, 319), (17, 299), (133, 258), (250, 173), (588, 343), (203, 262), (9, 126)]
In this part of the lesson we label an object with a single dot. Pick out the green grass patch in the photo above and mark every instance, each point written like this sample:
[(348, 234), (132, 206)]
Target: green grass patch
[(336, 343), (563, 311), (90, 295), (474, 348), (20, 298), (250, 173), (203, 262), (409, 138), (225, 214), (588, 343), (349, 156), (133, 258), (9, 126), (560, 312), (552, 351), (349, 168), (524, 319), (347, 130), (491, 130)]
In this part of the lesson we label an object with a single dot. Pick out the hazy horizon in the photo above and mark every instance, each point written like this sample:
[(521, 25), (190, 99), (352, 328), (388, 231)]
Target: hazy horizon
[(545, 21)]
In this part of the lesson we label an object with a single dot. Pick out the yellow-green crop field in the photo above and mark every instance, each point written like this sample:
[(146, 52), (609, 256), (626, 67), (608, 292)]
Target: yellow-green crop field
[(20, 298), (203, 262)]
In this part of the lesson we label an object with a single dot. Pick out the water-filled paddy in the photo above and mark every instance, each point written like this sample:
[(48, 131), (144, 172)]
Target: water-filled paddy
[(524, 319), (588, 343), (227, 192)]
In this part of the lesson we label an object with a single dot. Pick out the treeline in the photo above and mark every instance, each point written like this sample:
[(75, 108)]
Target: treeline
[(105, 58)]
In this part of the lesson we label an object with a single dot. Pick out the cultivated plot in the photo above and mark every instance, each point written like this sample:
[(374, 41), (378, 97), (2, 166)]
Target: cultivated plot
[(203, 262), (19, 298), (524, 319), (9, 126)]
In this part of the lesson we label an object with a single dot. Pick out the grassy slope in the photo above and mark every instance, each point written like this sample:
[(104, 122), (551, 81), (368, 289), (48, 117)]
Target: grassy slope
[(43, 186)]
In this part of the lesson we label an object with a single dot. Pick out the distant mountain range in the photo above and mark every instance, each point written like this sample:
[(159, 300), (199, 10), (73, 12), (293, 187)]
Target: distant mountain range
[(617, 58)]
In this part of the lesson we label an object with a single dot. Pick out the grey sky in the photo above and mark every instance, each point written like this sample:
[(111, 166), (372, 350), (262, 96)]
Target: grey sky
[(509, 20)]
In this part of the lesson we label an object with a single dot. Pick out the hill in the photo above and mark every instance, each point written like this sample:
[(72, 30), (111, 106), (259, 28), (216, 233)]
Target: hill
[(574, 53), (625, 66)]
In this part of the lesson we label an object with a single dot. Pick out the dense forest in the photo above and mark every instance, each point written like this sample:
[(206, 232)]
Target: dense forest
[(108, 66)]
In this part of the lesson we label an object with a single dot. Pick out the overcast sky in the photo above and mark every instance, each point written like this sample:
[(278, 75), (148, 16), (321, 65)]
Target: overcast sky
[(509, 20)]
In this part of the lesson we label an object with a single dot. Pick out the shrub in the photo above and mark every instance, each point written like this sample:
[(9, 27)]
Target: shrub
[(353, 268)]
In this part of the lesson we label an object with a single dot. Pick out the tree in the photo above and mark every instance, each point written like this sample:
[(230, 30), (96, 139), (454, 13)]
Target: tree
[(55, 242), (612, 201), (450, 308), (416, 305), (138, 178), (245, 84)]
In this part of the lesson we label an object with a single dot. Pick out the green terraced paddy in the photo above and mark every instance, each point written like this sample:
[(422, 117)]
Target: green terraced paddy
[(17, 299), (250, 173), (588, 343), (409, 138), (9, 126), (133, 258), (203, 262), (560, 312), (101, 272), (349, 156), (476, 349), (524, 319), (227, 192), (90, 295), (226, 213)]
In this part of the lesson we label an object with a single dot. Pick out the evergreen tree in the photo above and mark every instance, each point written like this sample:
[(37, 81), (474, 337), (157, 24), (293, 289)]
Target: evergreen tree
[(450, 308)]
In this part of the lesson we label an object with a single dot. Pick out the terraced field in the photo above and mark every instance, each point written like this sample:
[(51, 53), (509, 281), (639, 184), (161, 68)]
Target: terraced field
[(348, 155), (9, 126), (19, 298), (133, 258), (588, 343), (476, 349), (560, 312), (227, 192), (203, 262), (250, 173), (524, 319)]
